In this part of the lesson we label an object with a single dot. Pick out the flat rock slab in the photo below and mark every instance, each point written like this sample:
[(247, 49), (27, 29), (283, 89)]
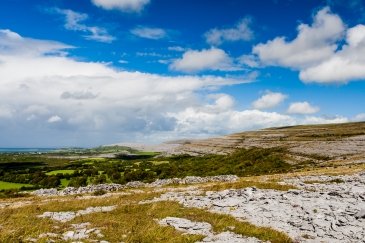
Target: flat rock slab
[(229, 237), (187, 226), (205, 229), (75, 234), (69, 215)]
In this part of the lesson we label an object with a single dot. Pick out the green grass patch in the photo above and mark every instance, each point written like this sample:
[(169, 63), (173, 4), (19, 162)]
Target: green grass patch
[(65, 182), (160, 162), (64, 172), (9, 185)]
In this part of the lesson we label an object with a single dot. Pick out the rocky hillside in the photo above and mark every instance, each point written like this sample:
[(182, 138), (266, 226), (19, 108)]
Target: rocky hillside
[(330, 142)]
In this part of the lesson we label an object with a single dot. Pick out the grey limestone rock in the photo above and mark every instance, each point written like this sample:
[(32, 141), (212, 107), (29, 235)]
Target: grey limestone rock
[(133, 184), (69, 215), (205, 229), (330, 211)]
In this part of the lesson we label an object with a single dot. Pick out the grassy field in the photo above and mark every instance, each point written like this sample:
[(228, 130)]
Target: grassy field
[(9, 185), (64, 182), (55, 172), (134, 222), (129, 222)]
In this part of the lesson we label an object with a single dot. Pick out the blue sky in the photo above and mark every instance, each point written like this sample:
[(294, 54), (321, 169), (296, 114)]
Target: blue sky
[(92, 72)]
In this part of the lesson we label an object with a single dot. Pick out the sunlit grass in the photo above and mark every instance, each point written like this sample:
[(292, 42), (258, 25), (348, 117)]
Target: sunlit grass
[(9, 185), (55, 172)]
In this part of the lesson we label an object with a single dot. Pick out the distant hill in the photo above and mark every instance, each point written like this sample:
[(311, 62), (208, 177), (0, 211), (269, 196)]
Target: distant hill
[(345, 142)]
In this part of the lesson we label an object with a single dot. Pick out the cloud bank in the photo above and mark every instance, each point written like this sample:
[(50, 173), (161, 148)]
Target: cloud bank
[(64, 101)]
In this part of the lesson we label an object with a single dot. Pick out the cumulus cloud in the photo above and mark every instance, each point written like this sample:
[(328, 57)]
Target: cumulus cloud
[(201, 121), (206, 59), (240, 32), (313, 44), (345, 65), (122, 5), (318, 51), (269, 100), (302, 108), (149, 33), (73, 21)]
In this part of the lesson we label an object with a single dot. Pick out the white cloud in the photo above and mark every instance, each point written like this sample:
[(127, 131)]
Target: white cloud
[(206, 59), (54, 119), (345, 65), (195, 121), (325, 120), (97, 104), (269, 100), (73, 21), (12, 43), (313, 44), (203, 121), (222, 102), (241, 32), (318, 51), (149, 33), (249, 61), (122, 5), (302, 108), (54, 100)]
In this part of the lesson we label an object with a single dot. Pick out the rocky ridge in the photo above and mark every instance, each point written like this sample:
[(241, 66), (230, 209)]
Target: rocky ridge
[(319, 143), (134, 184)]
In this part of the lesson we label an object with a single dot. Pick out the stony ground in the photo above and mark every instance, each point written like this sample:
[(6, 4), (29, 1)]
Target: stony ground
[(321, 208), (203, 228), (328, 209)]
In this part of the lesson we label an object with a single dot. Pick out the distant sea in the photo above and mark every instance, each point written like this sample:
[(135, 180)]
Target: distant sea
[(26, 150)]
